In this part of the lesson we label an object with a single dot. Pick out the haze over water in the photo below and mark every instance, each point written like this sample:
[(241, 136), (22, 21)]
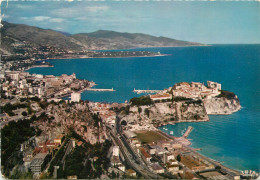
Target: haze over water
[(232, 139)]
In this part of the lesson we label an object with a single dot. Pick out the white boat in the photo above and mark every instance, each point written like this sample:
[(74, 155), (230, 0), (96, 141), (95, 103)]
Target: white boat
[(171, 132)]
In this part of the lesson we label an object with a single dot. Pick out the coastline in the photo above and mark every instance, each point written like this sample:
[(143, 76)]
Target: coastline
[(38, 66), (237, 171), (105, 57), (202, 45), (73, 58)]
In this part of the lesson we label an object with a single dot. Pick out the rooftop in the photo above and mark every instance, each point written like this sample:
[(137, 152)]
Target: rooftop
[(143, 151)]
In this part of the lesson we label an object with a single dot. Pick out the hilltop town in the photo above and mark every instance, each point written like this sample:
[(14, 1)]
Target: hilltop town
[(81, 139)]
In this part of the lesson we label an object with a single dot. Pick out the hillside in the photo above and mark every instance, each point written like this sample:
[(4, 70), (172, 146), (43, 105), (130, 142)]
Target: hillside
[(19, 36), (118, 40), (14, 35)]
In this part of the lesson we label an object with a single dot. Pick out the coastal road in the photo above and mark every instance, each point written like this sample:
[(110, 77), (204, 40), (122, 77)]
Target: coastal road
[(129, 159), (132, 159), (230, 172)]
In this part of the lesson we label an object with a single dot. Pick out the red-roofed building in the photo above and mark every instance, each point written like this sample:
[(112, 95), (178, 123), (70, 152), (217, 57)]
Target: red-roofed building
[(160, 96), (145, 155)]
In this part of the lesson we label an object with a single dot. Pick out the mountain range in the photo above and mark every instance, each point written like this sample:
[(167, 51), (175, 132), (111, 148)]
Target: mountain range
[(14, 35)]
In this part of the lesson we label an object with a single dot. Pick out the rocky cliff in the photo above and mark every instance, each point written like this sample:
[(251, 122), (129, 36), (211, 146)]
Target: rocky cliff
[(77, 117), (181, 111), (222, 105), (185, 110)]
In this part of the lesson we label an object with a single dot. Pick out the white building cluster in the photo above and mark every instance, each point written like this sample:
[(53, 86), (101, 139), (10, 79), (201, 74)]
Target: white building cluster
[(108, 116), (196, 90), (24, 84), (75, 97)]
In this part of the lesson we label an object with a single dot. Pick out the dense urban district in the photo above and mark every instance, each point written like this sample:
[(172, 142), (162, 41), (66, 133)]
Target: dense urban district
[(44, 136)]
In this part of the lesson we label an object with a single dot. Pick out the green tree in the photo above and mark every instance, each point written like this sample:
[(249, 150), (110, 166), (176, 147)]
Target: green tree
[(24, 113), (143, 100), (147, 112), (178, 158)]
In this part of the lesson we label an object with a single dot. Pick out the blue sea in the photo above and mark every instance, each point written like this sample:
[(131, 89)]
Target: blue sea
[(233, 139)]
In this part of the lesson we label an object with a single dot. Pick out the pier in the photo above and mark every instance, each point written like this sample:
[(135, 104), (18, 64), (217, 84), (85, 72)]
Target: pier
[(92, 89), (186, 134), (138, 91)]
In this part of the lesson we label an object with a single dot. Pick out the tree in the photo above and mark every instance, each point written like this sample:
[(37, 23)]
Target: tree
[(139, 110), (143, 100), (147, 112), (29, 109), (113, 175), (24, 113), (218, 167), (178, 158), (123, 123)]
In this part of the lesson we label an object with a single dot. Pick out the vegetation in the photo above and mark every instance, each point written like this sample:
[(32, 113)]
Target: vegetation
[(8, 108), (163, 100), (141, 101), (149, 136), (180, 98), (97, 119), (43, 104), (14, 134), (198, 102), (147, 112), (197, 117), (79, 162), (73, 164), (227, 94), (125, 110), (178, 158), (24, 113)]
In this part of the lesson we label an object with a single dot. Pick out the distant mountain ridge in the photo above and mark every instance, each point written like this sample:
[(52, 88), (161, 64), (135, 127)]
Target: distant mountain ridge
[(13, 34)]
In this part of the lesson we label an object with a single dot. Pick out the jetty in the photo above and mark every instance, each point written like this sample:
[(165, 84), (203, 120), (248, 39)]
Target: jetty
[(186, 134), (139, 91), (93, 89)]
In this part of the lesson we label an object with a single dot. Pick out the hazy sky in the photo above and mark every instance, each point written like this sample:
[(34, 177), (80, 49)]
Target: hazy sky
[(206, 22)]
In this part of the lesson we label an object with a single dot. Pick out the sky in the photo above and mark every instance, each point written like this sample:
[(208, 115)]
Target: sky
[(211, 22)]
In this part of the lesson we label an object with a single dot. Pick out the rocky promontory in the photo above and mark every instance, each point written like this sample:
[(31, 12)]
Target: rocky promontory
[(184, 102), (225, 103)]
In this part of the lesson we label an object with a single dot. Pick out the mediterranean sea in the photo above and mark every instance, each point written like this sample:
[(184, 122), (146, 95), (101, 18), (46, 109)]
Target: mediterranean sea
[(233, 139)]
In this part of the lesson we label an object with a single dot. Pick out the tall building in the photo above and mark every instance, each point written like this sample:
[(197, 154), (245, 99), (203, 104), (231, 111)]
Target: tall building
[(116, 151), (75, 97)]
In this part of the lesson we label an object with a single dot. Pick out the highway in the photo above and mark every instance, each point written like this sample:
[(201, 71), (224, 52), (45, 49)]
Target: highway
[(129, 159), (130, 156)]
